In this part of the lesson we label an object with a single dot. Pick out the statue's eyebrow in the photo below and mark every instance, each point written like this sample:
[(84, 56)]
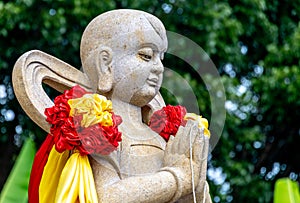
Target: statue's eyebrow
[(153, 46)]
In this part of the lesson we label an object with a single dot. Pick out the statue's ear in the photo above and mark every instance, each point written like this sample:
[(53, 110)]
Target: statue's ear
[(104, 71)]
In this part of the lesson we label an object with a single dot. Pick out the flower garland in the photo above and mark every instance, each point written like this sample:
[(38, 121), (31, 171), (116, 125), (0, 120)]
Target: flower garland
[(83, 121), (81, 124), (167, 121)]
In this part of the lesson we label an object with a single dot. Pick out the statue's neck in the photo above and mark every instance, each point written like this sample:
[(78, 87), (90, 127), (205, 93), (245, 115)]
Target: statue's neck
[(132, 127), (131, 114)]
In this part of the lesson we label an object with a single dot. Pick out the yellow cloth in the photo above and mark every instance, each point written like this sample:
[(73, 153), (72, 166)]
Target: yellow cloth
[(202, 122), (95, 109), (52, 171), (67, 180), (76, 183)]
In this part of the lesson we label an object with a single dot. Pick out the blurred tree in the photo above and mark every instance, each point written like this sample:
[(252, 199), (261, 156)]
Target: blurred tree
[(254, 44)]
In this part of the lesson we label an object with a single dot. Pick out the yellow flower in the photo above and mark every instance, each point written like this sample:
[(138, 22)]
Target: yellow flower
[(202, 122), (94, 109)]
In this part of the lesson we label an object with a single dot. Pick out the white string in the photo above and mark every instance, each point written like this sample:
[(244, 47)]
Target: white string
[(192, 169)]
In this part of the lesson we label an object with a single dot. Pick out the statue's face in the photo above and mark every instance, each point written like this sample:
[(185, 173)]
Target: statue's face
[(137, 66)]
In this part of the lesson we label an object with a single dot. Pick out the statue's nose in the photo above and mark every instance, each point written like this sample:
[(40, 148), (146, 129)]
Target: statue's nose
[(158, 67)]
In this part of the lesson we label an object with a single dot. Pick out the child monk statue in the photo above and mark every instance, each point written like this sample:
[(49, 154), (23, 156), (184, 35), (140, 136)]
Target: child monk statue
[(121, 53)]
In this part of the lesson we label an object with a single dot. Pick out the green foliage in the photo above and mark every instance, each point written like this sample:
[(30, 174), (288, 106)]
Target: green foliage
[(255, 45), (286, 191), (16, 186)]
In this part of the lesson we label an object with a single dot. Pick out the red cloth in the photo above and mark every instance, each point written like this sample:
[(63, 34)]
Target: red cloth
[(37, 170)]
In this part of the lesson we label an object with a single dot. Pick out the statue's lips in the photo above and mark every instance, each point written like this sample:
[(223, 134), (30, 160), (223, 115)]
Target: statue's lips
[(152, 81)]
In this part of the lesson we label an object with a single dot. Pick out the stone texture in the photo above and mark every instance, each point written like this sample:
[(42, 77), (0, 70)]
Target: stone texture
[(121, 52)]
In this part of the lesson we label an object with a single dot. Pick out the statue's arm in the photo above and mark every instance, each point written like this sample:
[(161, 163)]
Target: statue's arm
[(156, 187), (169, 184)]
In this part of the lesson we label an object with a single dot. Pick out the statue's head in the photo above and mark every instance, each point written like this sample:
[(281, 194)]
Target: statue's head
[(121, 52)]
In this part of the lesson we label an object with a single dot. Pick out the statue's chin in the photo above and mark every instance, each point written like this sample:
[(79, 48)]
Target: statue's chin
[(143, 97)]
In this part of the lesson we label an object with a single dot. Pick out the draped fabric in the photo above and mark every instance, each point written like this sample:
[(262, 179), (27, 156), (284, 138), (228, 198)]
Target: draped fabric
[(67, 179), (51, 175), (59, 177), (76, 182), (39, 162)]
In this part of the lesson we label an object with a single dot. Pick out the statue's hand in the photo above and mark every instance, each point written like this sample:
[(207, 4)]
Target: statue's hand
[(179, 156)]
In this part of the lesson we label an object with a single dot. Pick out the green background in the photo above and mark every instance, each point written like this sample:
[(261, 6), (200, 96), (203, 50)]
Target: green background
[(255, 45)]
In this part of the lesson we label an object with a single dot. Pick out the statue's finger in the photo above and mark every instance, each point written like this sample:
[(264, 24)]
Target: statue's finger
[(203, 157), (169, 145), (187, 138), (198, 146)]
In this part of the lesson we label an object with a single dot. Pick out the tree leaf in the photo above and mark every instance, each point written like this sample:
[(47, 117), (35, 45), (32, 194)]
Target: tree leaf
[(16, 186), (286, 191)]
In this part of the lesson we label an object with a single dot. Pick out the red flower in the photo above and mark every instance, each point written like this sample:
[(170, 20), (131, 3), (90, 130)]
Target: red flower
[(62, 126), (167, 120), (111, 132), (61, 109), (99, 139), (75, 92), (57, 113), (65, 135)]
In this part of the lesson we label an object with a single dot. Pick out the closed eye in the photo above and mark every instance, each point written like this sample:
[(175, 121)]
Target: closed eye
[(145, 54), (145, 57)]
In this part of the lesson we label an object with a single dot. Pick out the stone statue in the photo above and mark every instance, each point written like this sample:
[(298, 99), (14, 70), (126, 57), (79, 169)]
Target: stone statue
[(121, 53)]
